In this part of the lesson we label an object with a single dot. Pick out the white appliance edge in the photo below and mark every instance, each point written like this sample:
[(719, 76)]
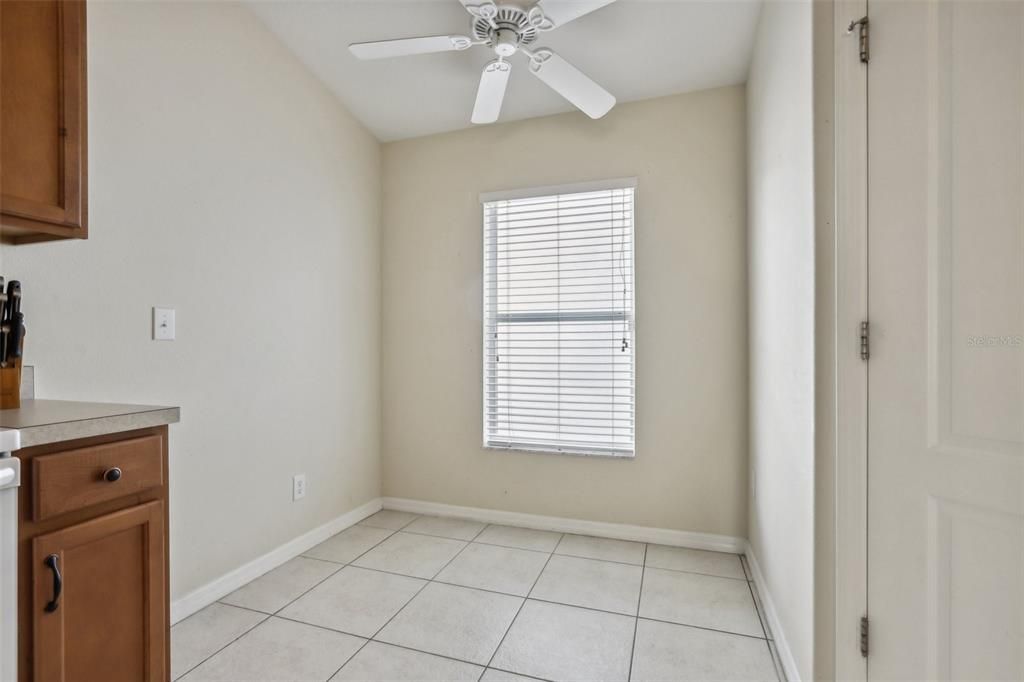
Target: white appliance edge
[(10, 479)]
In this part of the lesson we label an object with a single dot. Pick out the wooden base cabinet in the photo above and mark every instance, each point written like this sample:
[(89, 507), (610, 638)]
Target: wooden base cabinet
[(93, 580)]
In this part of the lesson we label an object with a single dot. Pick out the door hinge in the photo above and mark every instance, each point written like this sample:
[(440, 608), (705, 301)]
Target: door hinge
[(863, 26), (864, 636), (865, 340)]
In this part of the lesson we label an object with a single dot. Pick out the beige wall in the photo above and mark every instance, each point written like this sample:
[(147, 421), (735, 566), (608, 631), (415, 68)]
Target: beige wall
[(225, 181), (781, 252), (690, 471)]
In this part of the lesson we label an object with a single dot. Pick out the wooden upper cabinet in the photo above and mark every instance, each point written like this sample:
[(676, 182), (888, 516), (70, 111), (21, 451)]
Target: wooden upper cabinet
[(43, 166)]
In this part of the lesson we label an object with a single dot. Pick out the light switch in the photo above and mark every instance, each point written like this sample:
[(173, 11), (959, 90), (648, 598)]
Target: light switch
[(163, 324)]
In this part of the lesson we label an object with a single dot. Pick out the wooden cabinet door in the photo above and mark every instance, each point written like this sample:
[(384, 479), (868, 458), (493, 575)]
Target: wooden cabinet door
[(105, 617), (42, 119)]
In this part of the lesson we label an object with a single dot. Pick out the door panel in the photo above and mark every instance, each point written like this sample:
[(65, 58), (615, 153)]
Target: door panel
[(43, 177), (111, 573), (946, 375), (31, 62)]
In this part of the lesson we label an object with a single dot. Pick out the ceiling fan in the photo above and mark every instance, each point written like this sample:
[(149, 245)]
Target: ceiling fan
[(508, 28)]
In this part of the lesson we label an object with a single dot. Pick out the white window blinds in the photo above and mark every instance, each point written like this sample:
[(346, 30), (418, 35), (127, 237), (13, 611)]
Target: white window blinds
[(558, 323)]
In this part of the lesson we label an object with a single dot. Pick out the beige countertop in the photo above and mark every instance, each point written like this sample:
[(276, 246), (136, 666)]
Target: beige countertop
[(38, 422)]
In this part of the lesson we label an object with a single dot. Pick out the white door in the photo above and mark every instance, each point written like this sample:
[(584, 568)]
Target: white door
[(946, 373)]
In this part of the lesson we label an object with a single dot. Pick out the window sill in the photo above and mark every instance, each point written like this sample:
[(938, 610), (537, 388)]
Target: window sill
[(570, 453)]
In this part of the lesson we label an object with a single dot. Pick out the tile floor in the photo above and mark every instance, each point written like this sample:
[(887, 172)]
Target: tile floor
[(406, 597)]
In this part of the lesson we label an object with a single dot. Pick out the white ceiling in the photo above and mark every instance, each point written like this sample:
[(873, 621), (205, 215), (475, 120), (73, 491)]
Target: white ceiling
[(636, 49)]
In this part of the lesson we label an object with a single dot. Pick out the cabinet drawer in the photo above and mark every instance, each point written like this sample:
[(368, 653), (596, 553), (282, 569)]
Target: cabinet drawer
[(75, 479)]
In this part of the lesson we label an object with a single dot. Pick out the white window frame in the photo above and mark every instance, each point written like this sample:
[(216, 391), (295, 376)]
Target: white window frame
[(542, 191)]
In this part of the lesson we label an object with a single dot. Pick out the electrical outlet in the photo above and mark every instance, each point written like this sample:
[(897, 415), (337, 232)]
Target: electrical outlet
[(163, 324), (298, 486)]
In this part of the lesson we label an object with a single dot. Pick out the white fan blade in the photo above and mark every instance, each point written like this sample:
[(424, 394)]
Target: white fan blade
[(563, 11), (402, 47), (485, 9), (482, 9), (571, 83), (491, 92)]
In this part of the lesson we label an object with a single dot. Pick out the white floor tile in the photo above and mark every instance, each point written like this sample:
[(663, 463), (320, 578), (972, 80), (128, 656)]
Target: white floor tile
[(569, 630), (695, 561), (676, 652), (759, 606), (202, 634), (780, 671), (701, 600), (419, 556), (588, 582), (274, 590), (390, 519), (557, 642), (520, 538), (279, 650), (348, 544), (453, 621), (444, 527), (493, 675), (502, 569), (354, 600), (602, 548), (385, 663)]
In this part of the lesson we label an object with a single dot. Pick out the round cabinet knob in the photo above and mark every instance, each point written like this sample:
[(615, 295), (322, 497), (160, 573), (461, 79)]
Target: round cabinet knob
[(112, 475)]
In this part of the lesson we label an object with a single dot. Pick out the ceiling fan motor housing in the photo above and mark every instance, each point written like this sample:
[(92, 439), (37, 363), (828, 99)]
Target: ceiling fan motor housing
[(511, 29)]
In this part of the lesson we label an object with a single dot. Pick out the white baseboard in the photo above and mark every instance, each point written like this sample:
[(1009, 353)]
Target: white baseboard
[(774, 625), (205, 595), (618, 531)]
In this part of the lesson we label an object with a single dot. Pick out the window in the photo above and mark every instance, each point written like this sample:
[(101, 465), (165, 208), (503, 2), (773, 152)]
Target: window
[(558, 320)]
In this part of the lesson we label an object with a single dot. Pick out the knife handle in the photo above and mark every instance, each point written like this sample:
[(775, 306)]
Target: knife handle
[(15, 336), (5, 338), (13, 299)]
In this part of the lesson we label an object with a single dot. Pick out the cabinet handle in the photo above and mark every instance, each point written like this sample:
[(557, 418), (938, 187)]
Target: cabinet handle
[(112, 475), (58, 583)]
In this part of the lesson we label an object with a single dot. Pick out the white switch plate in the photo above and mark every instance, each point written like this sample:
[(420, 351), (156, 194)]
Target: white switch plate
[(298, 486), (163, 324)]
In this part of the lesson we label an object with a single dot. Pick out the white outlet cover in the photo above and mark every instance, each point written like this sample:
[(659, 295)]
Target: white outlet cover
[(298, 487), (163, 324)]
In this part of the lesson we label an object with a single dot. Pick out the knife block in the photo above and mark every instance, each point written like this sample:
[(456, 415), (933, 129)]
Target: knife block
[(10, 383), (10, 377), (10, 386)]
